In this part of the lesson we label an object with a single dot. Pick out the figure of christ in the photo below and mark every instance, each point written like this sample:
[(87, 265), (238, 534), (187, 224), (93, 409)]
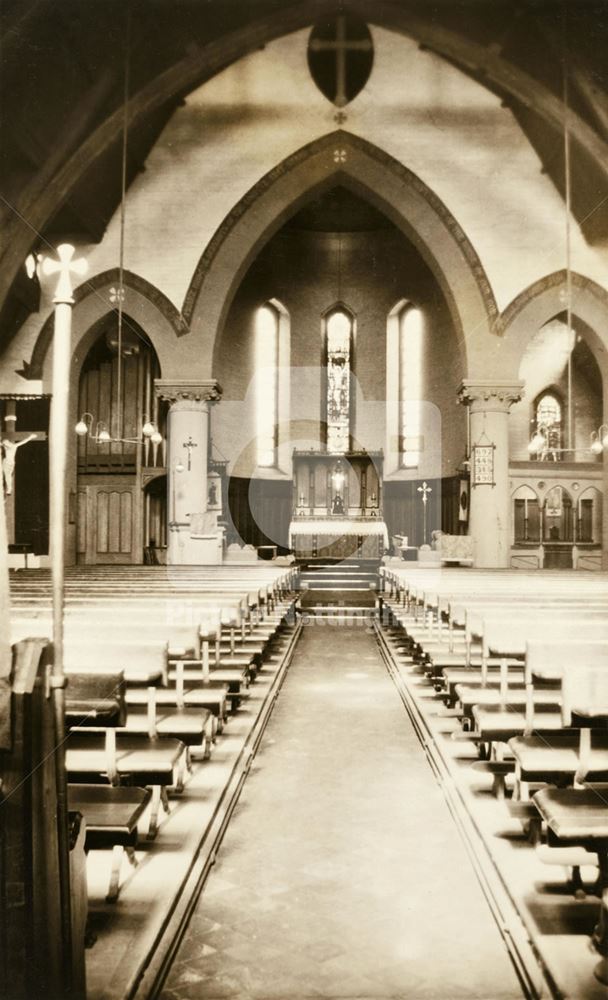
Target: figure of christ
[(8, 461)]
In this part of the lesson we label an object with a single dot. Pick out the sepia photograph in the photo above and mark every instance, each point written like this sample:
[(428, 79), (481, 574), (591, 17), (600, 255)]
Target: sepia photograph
[(304, 503)]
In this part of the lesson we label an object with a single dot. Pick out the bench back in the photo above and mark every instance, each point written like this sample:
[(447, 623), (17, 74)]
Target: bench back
[(101, 691), (135, 657), (582, 668)]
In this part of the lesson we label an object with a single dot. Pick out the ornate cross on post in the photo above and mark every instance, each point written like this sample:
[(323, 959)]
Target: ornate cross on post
[(340, 46), (425, 489), (65, 267), (190, 444)]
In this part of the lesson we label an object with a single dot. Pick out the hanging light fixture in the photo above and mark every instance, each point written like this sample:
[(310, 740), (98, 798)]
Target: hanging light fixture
[(84, 427), (542, 442), (599, 440)]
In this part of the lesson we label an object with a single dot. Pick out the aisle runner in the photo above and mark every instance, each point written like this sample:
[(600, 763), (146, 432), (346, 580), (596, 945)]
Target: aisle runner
[(342, 874)]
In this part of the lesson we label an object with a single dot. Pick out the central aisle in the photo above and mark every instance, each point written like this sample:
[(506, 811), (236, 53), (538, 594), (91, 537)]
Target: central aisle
[(342, 873)]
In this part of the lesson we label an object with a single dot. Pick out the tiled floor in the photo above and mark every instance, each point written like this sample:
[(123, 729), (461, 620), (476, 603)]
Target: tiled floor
[(342, 874)]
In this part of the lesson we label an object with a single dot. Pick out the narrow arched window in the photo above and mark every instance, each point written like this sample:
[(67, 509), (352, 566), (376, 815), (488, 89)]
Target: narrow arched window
[(548, 425), (267, 384), (411, 346), (339, 330)]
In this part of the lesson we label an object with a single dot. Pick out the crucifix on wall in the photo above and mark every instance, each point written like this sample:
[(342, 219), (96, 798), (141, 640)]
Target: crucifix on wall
[(190, 444), (11, 440)]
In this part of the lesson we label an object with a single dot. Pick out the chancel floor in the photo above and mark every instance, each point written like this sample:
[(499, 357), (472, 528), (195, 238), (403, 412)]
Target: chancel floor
[(342, 873)]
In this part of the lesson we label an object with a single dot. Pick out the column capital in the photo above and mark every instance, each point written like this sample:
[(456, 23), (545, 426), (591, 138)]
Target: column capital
[(484, 395), (190, 390)]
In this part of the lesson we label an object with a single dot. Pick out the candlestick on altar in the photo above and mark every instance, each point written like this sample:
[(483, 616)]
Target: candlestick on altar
[(424, 490), (58, 436)]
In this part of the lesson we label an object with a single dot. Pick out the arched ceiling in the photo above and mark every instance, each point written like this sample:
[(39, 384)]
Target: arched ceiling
[(61, 93)]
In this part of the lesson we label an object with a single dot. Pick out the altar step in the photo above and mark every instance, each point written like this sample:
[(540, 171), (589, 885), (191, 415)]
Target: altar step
[(339, 613), (341, 577)]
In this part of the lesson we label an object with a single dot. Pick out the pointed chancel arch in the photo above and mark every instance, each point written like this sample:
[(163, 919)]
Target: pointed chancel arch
[(342, 158)]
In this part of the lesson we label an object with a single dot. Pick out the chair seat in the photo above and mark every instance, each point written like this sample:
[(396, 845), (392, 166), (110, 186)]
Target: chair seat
[(515, 698), (217, 675), (151, 762), (111, 813), (188, 726), (498, 724), (550, 756), (211, 698), (575, 814), (92, 712)]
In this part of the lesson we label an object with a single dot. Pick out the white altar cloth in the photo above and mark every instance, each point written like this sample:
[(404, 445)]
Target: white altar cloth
[(338, 526)]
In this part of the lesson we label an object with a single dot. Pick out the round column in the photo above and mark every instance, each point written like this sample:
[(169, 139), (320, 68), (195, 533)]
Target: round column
[(490, 503), (187, 437)]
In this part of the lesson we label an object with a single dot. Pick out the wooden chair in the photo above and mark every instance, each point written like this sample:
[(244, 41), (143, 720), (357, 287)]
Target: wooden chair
[(111, 815), (120, 758)]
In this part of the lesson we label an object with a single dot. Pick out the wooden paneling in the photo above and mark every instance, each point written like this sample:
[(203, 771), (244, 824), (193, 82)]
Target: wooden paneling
[(126, 521), (114, 513), (101, 521), (108, 526), (81, 522)]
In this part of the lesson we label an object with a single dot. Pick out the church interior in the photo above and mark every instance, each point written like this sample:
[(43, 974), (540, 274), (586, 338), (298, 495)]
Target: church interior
[(304, 506)]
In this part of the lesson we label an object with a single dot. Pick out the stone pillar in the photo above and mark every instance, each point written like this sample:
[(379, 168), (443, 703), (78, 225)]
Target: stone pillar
[(490, 505), (187, 437)]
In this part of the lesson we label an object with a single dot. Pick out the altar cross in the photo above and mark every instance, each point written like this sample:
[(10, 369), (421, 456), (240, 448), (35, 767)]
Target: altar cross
[(425, 489), (341, 46), (190, 444)]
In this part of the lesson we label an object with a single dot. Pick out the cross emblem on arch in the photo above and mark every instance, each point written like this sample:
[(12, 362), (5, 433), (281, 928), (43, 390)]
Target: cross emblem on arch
[(342, 77)]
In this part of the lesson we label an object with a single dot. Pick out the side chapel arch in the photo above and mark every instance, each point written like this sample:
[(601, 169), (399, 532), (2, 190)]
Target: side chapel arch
[(534, 307), (542, 301), (143, 305), (93, 300)]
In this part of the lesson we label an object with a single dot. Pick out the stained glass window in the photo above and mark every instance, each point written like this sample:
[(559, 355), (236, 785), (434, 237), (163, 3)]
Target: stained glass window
[(411, 332), (267, 384), (339, 331), (549, 424)]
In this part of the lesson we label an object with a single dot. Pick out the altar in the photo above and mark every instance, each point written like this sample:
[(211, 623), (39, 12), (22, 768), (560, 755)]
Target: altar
[(338, 538), (337, 506)]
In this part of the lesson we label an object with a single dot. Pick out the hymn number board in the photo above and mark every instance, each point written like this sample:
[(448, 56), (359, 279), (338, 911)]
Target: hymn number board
[(482, 471)]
